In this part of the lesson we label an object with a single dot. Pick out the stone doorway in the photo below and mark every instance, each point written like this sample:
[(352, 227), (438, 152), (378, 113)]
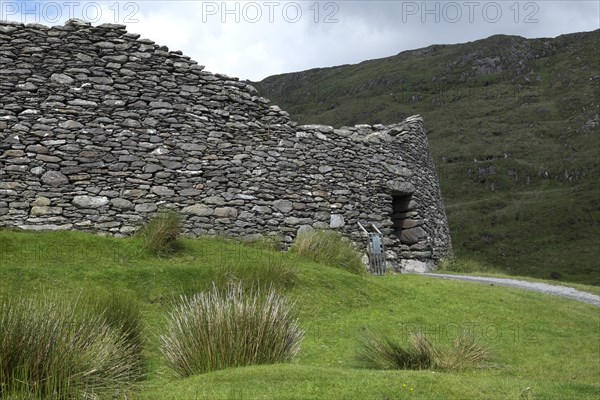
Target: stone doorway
[(400, 211)]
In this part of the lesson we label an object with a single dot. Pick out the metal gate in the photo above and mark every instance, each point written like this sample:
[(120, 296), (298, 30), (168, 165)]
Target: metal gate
[(375, 249)]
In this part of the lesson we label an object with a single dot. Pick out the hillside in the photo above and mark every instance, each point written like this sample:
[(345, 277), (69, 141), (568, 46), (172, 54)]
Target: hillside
[(514, 130)]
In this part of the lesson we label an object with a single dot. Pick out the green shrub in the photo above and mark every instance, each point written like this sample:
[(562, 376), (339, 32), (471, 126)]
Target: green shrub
[(161, 232), (219, 329), (329, 248), (56, 349), (420, 353)]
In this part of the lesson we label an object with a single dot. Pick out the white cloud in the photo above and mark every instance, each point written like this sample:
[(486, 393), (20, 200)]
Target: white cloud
[(254, 39)]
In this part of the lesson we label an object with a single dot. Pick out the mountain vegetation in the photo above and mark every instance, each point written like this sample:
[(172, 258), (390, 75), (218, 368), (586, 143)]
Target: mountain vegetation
[(514, 130)]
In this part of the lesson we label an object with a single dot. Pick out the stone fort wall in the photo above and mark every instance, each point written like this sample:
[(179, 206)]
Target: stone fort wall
[(99, 129)]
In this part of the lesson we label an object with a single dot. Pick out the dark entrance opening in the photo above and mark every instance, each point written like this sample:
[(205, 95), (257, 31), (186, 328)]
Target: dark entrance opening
[(400, 209)]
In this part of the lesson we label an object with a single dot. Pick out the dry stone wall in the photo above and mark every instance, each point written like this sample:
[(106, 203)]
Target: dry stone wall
[(99, 129)]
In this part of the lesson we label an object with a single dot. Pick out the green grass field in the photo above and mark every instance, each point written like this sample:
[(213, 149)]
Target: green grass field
[(543, 347)]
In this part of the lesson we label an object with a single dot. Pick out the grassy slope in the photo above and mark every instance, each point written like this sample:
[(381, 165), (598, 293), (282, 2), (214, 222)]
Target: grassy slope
[(544, 343), (518, 170)]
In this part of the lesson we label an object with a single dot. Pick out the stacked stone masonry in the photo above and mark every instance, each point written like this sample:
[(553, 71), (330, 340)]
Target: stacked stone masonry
[(99, 129)]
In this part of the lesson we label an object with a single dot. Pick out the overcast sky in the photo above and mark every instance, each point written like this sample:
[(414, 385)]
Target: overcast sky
[(255, 39)]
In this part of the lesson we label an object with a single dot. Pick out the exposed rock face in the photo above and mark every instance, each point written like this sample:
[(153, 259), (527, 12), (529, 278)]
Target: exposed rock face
[(100, 129)]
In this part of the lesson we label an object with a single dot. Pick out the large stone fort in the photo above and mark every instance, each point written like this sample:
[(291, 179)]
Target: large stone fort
[(99, 129)]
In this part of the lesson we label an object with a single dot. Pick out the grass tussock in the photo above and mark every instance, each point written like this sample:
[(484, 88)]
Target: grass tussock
[(123, 314), (161, 232), (234, 327), (57, 349), (465, 266), (464, 353), (330, 248), (420, 353)]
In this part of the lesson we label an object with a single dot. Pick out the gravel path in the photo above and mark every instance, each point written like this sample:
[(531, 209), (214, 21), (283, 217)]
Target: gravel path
[(562, 291)]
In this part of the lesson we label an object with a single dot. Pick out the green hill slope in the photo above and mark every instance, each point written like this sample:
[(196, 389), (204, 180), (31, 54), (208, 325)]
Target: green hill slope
[(514, 129), (543, 347)]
